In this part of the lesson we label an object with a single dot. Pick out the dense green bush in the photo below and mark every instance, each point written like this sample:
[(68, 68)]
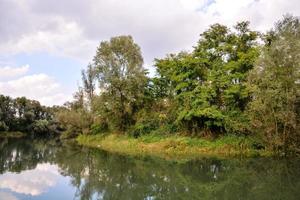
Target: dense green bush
[(99, 128), (146, 122), (40, 127)]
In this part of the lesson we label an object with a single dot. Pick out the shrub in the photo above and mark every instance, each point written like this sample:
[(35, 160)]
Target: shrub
[(40, 127), (99, 128)]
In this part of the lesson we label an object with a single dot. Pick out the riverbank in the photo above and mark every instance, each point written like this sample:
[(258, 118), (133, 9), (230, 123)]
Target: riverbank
[(12, 134), (175, 147)]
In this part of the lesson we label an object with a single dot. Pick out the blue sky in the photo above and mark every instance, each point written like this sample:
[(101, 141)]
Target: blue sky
[(66, 70), (45, 44)]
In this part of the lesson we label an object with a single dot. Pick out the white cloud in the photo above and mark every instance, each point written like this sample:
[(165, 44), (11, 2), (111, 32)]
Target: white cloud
[(74, 28), (7, 196), (65, 39), (11, 72), (40, 87), (193, 4), (261, 13), (31, 182), (159, 26), (227, 9)]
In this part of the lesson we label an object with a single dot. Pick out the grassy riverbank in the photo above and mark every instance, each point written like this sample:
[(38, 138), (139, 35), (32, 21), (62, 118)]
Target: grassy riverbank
[(175, 147), (11, 134)]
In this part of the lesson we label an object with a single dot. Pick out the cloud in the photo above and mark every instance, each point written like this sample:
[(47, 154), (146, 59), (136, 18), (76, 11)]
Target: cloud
[(194, 5), (261, 13), (59, 38), (7, 196), (73, 28), (40, 87), (11, 72), (31, 182)]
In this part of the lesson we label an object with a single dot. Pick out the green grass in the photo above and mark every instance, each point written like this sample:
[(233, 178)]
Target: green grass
[(11, 134), (174, 147)]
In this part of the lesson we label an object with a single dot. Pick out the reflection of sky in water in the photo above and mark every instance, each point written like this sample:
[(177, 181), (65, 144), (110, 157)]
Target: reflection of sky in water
[(32, 182), (35, 184)]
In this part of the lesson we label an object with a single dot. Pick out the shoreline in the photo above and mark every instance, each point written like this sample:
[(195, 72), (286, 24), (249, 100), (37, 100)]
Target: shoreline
[(174, 147), (12, 134)]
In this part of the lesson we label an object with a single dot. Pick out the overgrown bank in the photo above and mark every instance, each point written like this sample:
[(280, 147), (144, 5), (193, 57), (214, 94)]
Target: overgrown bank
[(235, 81), (15, 134), (176, 147)]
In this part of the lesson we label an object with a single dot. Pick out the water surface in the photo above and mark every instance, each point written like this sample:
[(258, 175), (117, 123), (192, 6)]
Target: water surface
[(49, 170)]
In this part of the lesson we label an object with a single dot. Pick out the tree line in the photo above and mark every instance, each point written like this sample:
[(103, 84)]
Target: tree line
[(234, 81), (27, 116)]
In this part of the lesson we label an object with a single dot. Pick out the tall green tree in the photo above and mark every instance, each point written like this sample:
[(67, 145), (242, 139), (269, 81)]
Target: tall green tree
[(210, 83), (276, 84), (119, 68)]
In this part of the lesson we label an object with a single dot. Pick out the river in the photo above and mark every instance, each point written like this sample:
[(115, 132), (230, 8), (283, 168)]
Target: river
[(51, 170)]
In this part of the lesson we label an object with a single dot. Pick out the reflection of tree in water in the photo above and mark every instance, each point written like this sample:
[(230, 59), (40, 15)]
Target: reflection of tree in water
[(99, 175), (108, 176), (19, 155)]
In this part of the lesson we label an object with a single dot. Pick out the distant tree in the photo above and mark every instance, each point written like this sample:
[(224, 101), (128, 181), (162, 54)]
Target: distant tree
[(7, 113), (22, 114)]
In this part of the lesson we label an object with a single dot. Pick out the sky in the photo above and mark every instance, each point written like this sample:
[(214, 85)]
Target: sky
[(30, 182), (45, 44)]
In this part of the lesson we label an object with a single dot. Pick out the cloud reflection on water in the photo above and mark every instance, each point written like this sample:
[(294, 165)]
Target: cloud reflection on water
[(30, 182)]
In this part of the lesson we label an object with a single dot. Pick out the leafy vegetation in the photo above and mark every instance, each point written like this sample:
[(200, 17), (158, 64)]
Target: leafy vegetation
[(235, 83), (275, 81), (176, 147), (27, 116), (209, 84)]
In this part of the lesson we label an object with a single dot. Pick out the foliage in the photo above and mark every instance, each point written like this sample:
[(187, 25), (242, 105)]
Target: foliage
[(175, 146), (276, 92), (40, 127), (74, 122), (119, 68), (26, 115), (146, 123), (98, 128), (234, 82), (3, 126), (225, 86), (88, 80), (209, 83)]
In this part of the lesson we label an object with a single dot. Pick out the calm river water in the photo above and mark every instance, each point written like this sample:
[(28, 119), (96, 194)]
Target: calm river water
[(49, 170)]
